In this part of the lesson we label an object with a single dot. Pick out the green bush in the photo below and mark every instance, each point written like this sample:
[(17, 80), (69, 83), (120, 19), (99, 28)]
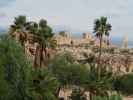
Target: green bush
[(67, 72), (124, 84), (44, 84), (14, 71), (112, 97), (18, 79)]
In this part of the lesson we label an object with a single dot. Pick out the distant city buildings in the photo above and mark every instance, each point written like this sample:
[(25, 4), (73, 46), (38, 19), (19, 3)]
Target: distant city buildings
[(67, 40)]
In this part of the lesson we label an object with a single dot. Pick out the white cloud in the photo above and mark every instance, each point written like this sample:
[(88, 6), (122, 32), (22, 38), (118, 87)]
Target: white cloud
[(77, 14)]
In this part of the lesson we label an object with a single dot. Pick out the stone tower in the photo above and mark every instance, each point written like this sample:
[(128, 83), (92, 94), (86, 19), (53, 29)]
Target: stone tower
[(87, 36), (125, 42)]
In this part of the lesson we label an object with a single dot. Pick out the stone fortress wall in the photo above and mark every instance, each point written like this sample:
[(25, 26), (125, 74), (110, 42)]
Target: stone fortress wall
[(67, 40)]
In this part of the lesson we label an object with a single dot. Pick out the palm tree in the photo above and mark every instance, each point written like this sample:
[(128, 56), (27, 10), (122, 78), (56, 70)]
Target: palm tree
[(42, 34), (17, 30), (32, 29), (38, 32), (45, 34), (101, 28)]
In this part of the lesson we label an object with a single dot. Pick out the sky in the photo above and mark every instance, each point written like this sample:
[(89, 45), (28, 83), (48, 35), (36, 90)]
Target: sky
[(72, 15)]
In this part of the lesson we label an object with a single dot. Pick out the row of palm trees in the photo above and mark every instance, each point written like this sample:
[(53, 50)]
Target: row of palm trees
[(38, 32)]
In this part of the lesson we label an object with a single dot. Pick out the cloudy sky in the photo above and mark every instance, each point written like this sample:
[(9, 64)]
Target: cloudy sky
[(74, 15)]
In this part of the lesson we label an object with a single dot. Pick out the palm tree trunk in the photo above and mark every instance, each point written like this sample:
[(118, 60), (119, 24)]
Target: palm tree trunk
[(36, 55), (90, 95), (57, 92), (46, 55), (40, 97), (100, 53), (108, 41), (99, 58), (41, 55)]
